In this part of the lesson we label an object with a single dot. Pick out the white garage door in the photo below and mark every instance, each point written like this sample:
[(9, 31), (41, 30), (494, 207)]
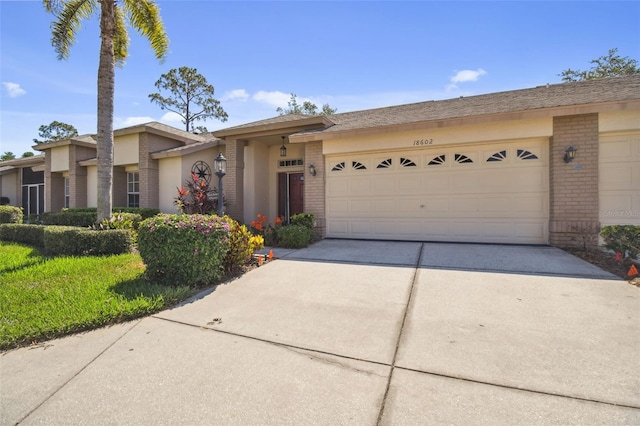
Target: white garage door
[(619, 179), (486, 193)]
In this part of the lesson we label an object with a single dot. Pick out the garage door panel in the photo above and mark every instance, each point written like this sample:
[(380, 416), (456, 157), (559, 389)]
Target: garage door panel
[(436, 195), (619, 179), (360, 185), (338, 187)]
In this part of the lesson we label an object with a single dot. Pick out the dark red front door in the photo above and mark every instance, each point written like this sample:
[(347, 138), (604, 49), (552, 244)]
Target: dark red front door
[(290, 194)]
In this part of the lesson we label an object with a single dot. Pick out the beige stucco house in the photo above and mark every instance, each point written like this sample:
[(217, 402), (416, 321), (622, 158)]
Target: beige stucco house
[(487, 168)]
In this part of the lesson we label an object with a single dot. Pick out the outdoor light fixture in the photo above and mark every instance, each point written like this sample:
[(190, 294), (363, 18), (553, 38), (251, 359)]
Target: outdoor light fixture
[(283, 149), (220, 167), (312, 169), (570, 154)]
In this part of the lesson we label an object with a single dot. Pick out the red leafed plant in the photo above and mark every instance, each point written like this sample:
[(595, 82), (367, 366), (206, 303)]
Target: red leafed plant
[(197, 197)]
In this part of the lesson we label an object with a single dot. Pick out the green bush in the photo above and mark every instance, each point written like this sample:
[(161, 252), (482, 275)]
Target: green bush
[(242, 245), (623, 239), (304, 219), (184, 249), (70, 218), (10, 214), (32, 235), (74, 241), (294, 236)]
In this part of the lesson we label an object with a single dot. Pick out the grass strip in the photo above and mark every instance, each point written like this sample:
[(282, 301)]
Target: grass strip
[(43, 298)]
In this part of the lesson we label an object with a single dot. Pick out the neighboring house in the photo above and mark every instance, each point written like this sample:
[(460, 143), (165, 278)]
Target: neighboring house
[(487, 168), (22, 183)]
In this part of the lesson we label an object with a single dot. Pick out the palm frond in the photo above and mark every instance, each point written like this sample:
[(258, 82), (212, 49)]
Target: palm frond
[(69, 16), (144, 16), (121, 38)]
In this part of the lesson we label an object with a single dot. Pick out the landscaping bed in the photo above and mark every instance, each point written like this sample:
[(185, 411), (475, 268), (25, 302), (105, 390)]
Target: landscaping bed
[(606, 261)]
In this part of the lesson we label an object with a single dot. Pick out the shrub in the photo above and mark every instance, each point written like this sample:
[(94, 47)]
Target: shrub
[(242, 245), (80, 218), (198, 197), (294, 236), (10, 214), (184, 249), (126, 221), (304, 219), (32, 235), (624, 239), (74, 241)]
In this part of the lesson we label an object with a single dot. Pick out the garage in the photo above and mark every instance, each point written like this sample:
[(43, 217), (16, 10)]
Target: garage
[(619, 179), (491, 192)]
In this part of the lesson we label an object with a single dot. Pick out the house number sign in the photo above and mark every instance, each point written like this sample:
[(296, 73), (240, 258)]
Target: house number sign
[(421, 142)]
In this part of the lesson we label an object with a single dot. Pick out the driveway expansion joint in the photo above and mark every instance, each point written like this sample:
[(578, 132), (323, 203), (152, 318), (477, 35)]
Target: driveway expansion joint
[(535, 391), (399, 339)]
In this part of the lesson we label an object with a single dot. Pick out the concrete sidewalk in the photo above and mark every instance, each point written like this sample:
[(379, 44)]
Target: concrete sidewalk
[(355, 332)]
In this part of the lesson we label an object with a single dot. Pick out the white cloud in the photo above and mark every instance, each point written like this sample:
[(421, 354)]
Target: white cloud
[(121, 123), (465, 76), (172, 119), (274, 98), (237, 94), (13, 89)]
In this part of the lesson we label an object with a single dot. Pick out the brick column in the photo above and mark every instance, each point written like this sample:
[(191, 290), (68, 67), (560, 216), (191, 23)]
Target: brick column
[(78, 175), (574, 219), (53, 187), (233, 182), (314, 186), (148, 172)]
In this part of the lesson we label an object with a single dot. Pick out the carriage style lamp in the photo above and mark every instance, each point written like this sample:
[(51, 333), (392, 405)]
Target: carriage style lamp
[(220, 167), (283, 149), (312, 169), (570, 154)]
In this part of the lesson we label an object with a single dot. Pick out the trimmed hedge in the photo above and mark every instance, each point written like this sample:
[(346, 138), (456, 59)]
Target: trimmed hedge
[(74, 241), (294, 236), (22, 233), (184, 249), (11, 214), (70, 218)]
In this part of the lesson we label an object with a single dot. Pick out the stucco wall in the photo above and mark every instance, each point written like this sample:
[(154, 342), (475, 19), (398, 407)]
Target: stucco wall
[(256, 180), (171, 177), (542, 127), (125, 150), (59, 158), (92, 186), (9, 186)]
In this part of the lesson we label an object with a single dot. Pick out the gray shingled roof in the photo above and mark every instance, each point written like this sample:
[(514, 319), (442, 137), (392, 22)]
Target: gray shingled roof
[(555, 95), (605, 90)]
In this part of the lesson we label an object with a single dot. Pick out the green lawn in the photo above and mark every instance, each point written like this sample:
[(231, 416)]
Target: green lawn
[(42, 297)]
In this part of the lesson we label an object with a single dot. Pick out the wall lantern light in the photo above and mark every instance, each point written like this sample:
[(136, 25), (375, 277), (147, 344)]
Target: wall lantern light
[(283, 149), (220, 167), (312, 169), (570, 154)]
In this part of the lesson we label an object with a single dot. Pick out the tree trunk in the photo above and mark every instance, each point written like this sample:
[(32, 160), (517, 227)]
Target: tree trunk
[(106, 89)]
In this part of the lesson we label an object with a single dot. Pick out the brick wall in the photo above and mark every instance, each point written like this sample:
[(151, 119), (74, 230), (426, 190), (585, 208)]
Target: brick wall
[(53, 187), (148, 171), (78, 175), (314, 186), (574, 219), (233, 182)]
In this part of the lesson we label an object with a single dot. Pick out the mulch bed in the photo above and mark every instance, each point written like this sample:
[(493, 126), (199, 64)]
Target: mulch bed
[(607, 262)]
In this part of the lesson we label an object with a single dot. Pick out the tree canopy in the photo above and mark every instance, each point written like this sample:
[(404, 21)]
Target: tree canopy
[(55, 131), (610, 65), (190, 96), (8, 155), (307, 108)]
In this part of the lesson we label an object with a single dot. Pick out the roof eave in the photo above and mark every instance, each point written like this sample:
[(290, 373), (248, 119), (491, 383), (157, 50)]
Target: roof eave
[(289, 127), (469, 120)]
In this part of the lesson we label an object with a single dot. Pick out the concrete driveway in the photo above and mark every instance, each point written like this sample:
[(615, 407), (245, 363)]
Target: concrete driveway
[(357, 332)]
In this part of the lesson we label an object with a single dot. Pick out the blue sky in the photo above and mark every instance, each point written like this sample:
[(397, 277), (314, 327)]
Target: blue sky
[(350, 54)]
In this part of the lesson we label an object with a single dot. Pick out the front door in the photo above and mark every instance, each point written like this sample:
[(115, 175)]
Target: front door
[(290, 194)]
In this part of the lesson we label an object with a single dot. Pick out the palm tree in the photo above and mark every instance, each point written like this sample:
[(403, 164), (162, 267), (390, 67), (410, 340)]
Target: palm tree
[(144, 16)]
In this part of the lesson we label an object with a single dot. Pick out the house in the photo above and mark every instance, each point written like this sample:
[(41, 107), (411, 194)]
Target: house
[(545, 165), (22, 184)]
